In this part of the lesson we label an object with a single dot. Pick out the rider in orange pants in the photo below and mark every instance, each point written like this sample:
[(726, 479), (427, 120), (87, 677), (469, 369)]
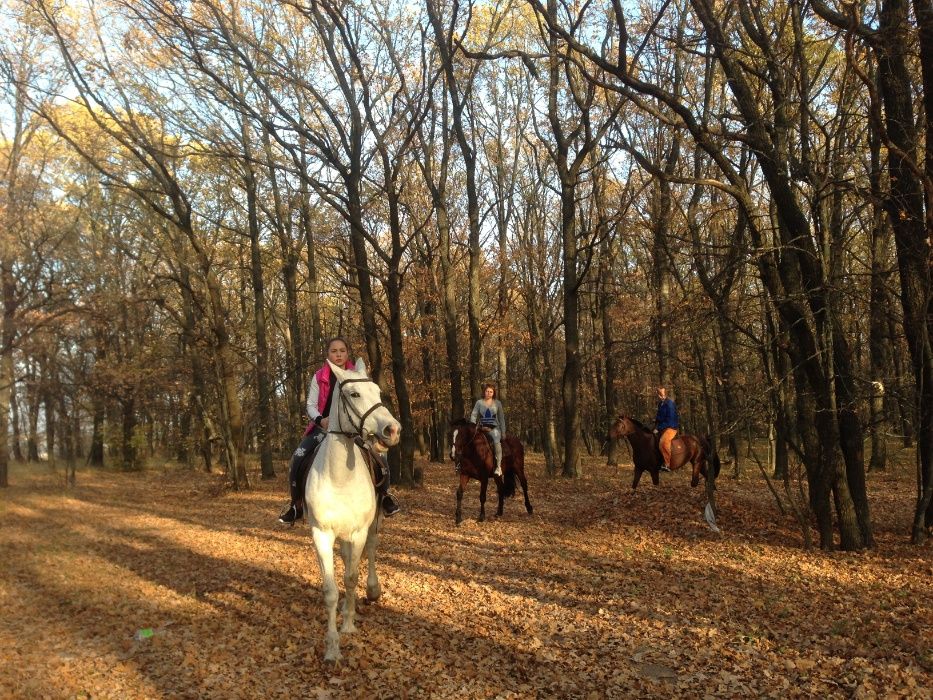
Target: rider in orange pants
[(666, 424)]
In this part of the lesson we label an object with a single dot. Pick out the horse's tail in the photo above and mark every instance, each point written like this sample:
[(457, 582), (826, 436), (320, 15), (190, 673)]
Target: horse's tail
[(508, 481), (713, 458)]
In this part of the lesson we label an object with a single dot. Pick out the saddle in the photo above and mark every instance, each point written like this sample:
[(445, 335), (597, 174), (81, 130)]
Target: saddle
[(376, 463), (677, 448)]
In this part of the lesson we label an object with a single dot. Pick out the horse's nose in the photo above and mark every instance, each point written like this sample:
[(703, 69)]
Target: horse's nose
[(391, 432)]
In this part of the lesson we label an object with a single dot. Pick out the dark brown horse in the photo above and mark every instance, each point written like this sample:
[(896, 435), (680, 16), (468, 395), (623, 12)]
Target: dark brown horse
[(473, 456), (647, 457)]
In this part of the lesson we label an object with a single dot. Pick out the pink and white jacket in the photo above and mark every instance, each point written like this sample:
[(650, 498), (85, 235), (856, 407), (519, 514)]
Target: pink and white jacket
[(318, 393)]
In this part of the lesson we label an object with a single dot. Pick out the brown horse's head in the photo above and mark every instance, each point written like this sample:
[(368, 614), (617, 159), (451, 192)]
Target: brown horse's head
[(621, 427), (462, 434)]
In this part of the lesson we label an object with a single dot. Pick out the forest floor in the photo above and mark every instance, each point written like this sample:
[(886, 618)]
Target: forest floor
[(598, 594)]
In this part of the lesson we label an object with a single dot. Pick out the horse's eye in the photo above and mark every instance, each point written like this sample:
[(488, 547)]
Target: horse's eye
[(355, 394)]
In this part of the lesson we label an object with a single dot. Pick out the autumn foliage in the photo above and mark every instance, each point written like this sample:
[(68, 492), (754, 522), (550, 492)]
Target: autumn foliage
[(163, 583)]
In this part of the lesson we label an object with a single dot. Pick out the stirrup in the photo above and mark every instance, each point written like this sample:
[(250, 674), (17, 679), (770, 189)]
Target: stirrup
[(664, 468), (291, 515), (389, 505)]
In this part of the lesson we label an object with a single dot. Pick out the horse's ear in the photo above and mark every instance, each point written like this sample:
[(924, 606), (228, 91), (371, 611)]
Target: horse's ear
[(336, 371), (360, 365)]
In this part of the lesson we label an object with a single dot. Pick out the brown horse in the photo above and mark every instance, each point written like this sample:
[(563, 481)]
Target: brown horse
[(647, 457), (473, 456)]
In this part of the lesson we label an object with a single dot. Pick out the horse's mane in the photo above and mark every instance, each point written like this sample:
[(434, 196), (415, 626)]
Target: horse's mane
[(639, 424), (462, 422)]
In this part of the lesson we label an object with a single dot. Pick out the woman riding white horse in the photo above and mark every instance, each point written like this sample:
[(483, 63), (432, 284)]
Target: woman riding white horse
[(340, 497)]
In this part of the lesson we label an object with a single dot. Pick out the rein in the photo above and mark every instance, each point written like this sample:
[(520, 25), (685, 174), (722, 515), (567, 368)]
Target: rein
[(370, 458), (458, 454)]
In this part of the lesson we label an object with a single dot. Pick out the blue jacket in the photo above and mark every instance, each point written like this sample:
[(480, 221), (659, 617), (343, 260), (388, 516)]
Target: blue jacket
[(667, 416)]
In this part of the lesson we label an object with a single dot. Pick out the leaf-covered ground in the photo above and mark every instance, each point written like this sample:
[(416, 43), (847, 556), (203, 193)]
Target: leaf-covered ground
[(598, 594)]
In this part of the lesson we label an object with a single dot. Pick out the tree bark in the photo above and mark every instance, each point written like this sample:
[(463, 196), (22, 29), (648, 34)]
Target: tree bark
[(263, 389), (7, 372), (912, 230)]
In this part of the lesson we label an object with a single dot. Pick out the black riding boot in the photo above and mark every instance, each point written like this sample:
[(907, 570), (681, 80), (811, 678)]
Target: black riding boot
[(296, 506), (388, 501), (297, 473)]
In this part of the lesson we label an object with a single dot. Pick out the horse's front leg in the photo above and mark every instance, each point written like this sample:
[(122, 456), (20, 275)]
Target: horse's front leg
[(500, 489), (636, 477), (352, 551), (324, 546), (463, 482), (482, 498), (373, 587)]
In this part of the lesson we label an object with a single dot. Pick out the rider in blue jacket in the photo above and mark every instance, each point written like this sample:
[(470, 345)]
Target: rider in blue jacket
[(666, 424)]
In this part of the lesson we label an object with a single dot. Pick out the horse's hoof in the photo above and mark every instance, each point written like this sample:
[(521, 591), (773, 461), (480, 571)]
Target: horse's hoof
[(333, 657), (347, 629), (373, 594)]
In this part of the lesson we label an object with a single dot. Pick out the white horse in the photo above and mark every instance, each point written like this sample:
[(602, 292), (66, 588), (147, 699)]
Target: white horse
[(340, 497)]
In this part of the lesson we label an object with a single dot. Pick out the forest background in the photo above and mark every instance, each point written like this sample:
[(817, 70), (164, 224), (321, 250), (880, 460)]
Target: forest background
[(578, 202)]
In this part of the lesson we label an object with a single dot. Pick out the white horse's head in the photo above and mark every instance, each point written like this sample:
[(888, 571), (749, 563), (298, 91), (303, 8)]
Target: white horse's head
[(357, 408)]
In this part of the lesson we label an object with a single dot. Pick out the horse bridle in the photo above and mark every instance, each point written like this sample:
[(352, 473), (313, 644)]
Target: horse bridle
[(457, 455), (346, 408)]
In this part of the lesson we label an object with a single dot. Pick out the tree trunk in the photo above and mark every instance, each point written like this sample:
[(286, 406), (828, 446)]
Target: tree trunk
[(7, 372), (879, 350), (610, 372), (911, 230), (314, 301), (539, 361), (128, 454), (570, 384), (48, 379), (294, 345), (436, 423), (399, 375), (17, 448), (263, 389), (661, 219), (548, 416)]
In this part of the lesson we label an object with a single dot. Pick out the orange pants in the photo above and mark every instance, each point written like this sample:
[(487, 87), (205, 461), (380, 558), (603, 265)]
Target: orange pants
[(664, 444)]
